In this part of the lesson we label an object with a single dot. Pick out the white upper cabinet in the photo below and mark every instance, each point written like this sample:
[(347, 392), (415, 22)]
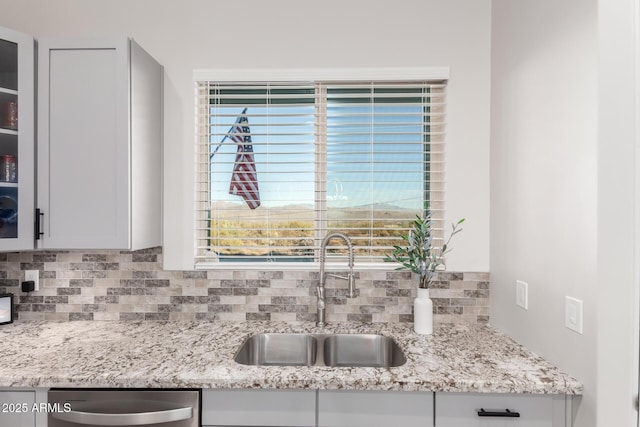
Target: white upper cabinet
[(99, 145), (16, 140)]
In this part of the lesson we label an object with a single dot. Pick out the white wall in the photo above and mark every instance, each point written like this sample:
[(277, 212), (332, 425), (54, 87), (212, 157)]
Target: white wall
[(562, 189), (203, 34), (618, 198), (544, 178)]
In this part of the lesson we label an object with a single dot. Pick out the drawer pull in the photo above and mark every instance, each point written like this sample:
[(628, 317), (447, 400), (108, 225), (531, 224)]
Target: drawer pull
[(506, 413)]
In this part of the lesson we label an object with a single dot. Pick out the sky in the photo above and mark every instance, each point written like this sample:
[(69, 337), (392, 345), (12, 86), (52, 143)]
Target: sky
[(374, 154)]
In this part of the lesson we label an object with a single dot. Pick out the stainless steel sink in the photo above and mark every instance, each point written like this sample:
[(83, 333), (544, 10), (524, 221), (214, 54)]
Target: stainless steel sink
[(278, 349), (362, 350), (339, 350)]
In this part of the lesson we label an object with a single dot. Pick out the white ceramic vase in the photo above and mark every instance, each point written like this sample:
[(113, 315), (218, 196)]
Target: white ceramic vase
[(423, 313)]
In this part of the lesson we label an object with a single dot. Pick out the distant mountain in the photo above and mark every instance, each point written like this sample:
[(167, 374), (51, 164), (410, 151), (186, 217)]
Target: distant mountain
[(381, 206), (230, 211), (241, 206)]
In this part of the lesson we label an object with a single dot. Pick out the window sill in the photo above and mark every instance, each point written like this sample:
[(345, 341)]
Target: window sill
[(296, 266)]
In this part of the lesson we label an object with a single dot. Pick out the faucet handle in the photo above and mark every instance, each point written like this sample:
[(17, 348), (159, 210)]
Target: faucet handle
[(352, 285)]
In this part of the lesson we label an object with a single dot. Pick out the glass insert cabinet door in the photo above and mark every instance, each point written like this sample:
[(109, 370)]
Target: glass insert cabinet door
[(16, 141)]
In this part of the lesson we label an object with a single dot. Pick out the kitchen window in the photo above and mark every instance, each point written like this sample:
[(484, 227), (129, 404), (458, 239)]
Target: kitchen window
[(283, 163)]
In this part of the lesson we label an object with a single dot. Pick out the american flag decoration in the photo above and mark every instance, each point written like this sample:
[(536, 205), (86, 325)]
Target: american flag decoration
[(244, 179)]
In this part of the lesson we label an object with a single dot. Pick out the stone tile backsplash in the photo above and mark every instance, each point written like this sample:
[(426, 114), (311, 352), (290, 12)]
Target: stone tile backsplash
[(122, 285)]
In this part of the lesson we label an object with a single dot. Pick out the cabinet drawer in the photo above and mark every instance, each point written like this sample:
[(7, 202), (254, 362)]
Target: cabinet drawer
[(16, 409), (461, 410), (374, 409), (259, 408)]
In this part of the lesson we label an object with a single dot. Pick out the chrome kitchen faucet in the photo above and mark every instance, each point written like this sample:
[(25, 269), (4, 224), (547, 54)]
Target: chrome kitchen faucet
[(323, 277)]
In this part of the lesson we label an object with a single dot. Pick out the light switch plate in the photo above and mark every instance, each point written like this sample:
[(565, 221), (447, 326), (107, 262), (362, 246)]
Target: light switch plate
[(522, 294), (573, 314)]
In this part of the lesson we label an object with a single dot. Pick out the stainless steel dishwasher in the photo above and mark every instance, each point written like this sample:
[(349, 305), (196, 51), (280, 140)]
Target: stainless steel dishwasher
[(123, 408)]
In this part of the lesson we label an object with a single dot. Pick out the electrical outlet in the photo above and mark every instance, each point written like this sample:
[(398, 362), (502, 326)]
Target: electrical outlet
[(573, 314), (33, 275), (522, 294)]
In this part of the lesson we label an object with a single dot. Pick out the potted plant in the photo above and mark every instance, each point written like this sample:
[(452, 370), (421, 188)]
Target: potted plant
[(421, 257)]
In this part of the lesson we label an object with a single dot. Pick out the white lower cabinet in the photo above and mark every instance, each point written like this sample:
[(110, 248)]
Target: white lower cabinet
[(375, 409), (342, 408), (16, 409), (499, 410), (259, 408), (309, 408)]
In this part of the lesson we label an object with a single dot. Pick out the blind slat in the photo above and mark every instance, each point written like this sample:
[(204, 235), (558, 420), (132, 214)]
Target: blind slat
[(352, 157)]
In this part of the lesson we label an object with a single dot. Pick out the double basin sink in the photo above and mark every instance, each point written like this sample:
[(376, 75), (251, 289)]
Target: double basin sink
[(336, 350)]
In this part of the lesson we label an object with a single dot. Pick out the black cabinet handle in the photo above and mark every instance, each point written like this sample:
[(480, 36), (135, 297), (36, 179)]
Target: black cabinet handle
[(38, 226), (507, 413)]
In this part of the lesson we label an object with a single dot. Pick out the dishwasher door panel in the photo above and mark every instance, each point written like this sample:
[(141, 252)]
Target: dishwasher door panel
[(123, 408)]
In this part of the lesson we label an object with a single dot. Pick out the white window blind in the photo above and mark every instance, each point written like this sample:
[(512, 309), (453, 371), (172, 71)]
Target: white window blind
[(283, 164)]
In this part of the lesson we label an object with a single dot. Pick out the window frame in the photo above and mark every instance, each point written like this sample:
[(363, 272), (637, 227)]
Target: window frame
[(309, 75)]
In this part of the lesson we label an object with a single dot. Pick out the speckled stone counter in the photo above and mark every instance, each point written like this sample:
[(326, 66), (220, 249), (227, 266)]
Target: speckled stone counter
[(455, 358)]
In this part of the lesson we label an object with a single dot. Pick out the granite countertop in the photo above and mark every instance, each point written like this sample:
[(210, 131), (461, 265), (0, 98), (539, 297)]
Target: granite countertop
[(152, 354)]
